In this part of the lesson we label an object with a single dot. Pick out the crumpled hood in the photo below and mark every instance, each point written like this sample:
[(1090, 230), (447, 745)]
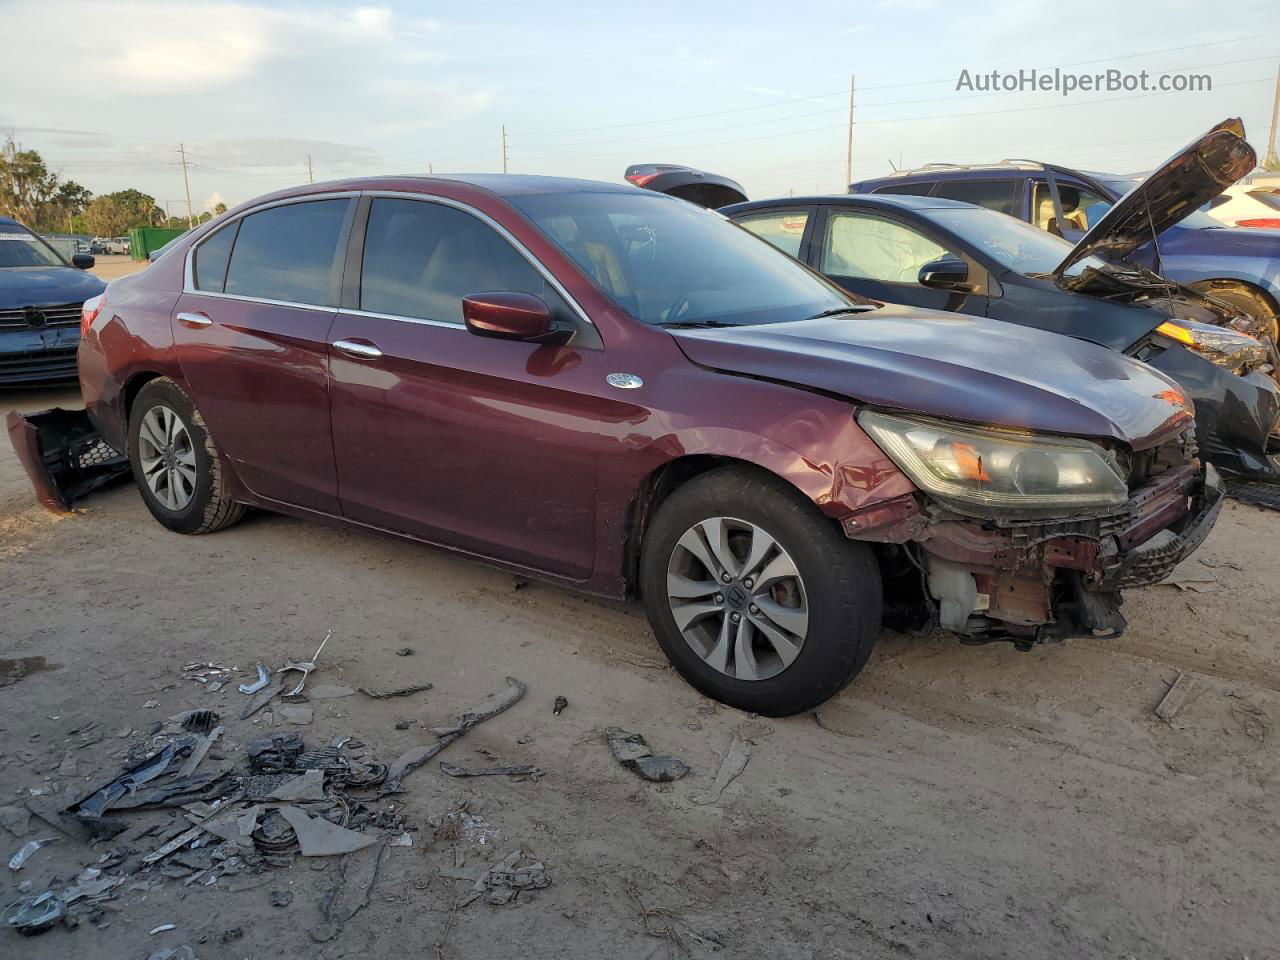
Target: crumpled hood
[(1183, 184), (46, 286), (957, 367)]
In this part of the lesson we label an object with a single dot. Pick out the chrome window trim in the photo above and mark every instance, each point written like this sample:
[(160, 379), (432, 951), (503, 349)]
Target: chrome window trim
[(189, 287), (188, 276)]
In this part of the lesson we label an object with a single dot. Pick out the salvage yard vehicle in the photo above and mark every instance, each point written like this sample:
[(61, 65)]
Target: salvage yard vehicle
[(948, 255), (1239, 266), (618, 391), (40, 302), (1246, 205)]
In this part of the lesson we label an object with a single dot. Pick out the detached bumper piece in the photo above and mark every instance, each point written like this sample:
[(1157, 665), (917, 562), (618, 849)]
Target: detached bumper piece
[(64, 456)]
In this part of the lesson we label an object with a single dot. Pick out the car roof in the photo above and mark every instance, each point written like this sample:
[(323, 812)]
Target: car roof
[(888, 201)]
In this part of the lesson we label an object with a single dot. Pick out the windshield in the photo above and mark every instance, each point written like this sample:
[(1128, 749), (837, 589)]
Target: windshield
[(665, 261), (1013, 244), (19, 247)]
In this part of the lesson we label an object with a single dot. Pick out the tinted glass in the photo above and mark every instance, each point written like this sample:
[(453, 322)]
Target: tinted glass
[(992, 194), (209, 264), (784, 230), (1013, 244), (918, 189), (19, 247), (872, 248), (287, 253), (421, 259), (668, 262)]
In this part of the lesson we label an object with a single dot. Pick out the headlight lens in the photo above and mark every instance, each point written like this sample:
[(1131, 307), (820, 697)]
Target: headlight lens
[(1236, 351), (996, 469)]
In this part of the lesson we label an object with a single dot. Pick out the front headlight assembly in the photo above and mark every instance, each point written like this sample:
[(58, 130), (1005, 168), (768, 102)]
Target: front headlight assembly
[(1237, 352), (992, 472)]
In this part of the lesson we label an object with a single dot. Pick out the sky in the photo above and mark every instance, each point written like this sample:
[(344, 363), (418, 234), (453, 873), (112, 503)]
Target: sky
[(756, 91)]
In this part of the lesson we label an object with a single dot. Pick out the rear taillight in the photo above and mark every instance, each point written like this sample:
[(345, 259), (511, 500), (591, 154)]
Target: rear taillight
[(89, 312), (1259, 222), (640, 179)]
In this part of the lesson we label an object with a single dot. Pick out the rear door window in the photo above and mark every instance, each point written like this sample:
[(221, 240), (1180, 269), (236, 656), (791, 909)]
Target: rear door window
[(993, 194), (422, 258), (289, 252), (784, 229)]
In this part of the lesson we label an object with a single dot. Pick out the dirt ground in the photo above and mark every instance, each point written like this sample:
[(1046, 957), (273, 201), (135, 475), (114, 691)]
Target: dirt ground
[(952, 802)]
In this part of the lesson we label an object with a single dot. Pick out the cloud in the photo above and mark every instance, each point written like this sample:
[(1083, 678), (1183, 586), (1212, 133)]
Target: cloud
[(212, 201)]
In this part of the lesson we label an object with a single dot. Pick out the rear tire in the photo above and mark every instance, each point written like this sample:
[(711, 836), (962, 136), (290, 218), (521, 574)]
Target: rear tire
[(176, 463), (806, 599)]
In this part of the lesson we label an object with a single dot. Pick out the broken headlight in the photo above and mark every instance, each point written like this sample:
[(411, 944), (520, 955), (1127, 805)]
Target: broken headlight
[(1236, 351), (996, 469)]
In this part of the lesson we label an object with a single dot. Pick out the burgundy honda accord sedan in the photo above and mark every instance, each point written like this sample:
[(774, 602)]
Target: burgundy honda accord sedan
[(626, 393)]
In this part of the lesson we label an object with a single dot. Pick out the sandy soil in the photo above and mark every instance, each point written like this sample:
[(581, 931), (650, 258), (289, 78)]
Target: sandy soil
[(953, 802)]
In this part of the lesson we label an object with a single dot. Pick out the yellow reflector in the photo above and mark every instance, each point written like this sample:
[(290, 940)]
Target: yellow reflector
[(1175, 332)]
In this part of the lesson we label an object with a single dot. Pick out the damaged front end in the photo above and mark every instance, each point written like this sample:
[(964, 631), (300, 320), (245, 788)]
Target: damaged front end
[(64, 456), (1032, 574)]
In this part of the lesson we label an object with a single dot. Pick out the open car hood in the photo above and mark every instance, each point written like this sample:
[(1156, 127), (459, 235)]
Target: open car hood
[(1184, 183), (696, 186), (958, 367)]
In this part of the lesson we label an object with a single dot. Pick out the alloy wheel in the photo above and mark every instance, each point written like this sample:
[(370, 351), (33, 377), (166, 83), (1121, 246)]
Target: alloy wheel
[(737, 598), (168, 457)]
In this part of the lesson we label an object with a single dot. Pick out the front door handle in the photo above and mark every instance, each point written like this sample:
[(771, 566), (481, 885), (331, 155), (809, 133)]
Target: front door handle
[(194, 320), (357, 349)]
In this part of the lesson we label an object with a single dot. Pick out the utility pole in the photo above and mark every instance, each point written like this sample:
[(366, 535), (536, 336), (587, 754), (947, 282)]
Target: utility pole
[(311, 177), (430, 169), (191, 220), (504, 148), (848, 161), (1272, 157)]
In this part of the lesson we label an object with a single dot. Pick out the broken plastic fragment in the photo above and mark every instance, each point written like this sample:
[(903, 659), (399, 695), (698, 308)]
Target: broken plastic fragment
[(631, 750), (27, 849), (320, 838), (32, 915), (263, 679)]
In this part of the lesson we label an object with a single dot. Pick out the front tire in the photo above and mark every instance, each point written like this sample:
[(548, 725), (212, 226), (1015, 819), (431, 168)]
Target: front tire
[(175, 462), (756, 598), (1246, 299)]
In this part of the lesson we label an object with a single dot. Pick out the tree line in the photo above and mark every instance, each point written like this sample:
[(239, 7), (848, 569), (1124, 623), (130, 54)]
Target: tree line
[(33, 194)]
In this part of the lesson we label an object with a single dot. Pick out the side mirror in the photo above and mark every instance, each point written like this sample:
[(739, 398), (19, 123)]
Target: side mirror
[(82, 260), (949, 273), (507, 316)]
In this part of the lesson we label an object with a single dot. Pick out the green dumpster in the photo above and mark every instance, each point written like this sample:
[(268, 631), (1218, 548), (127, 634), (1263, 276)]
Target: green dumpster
[(143, 240)]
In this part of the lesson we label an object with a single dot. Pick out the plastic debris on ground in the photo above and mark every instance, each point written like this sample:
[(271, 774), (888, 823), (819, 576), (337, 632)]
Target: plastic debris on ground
[(26, 850), (631, 750)]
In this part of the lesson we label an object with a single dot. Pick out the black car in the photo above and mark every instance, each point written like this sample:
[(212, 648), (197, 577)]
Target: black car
[(40, 300), (958, 257)]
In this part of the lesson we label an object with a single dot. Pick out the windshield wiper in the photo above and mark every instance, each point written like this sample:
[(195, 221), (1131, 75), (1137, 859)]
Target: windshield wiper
[(855, 308), (695, 324)]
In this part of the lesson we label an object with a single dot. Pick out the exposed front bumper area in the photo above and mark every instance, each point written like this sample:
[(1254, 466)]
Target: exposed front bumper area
[(38, 357), (1036, 581)]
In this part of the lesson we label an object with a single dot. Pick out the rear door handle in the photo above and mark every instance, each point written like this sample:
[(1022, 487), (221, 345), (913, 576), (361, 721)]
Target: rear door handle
[(194, 320), (358, 349)]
